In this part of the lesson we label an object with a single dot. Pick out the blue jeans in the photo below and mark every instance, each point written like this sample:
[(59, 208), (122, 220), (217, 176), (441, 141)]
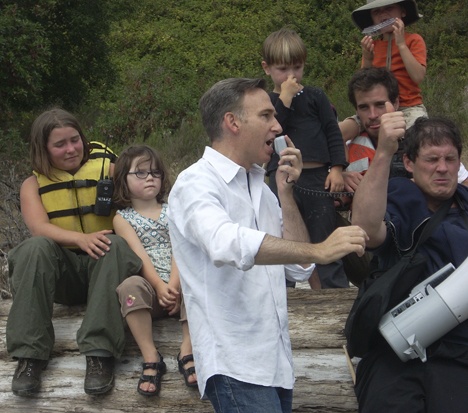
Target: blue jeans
[(228, 395)]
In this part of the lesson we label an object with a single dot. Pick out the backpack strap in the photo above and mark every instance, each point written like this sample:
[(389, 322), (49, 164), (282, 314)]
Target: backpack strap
[(432, 223), (464, 214), (429, 226)]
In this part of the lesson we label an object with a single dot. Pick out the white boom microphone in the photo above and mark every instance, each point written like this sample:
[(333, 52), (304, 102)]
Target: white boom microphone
[(434, 307)]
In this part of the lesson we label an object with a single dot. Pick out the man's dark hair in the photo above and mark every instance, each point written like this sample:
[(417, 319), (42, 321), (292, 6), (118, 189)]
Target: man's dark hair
[(225, 96), (432, 131), (367, 78)]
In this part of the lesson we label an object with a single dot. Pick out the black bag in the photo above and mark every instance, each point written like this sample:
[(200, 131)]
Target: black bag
[(385, 289), (378, 294), (357, 268)]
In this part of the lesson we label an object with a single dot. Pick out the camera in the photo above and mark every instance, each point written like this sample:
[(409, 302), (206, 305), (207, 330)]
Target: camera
[(104, 191)]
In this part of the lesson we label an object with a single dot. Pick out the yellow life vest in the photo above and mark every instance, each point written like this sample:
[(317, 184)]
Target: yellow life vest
[(69, 199)]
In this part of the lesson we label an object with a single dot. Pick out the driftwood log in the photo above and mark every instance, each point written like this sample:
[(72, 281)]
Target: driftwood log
[(316, 320)]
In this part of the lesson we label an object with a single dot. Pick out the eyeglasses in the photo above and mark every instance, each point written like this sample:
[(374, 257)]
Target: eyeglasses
[(155, 173)]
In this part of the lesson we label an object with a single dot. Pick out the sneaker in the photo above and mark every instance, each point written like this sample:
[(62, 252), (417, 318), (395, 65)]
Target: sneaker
[(27, 377), (99, 375)]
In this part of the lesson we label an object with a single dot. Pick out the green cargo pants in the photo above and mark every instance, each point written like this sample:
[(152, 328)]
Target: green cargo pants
[(42, 272)]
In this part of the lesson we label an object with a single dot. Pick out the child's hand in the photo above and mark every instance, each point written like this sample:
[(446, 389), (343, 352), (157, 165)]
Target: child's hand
[(335, 180), (289, 88), (173, 309), (399, 32), (367, 45), (167, 296)]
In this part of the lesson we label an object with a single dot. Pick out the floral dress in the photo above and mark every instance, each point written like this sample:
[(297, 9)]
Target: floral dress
[(154, 236)]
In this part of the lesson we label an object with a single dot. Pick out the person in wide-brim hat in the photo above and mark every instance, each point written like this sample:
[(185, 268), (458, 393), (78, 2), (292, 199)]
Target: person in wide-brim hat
[(362, 16)]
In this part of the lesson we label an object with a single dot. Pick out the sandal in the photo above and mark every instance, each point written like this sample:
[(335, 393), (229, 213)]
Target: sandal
[(160, 368), (186, 372)]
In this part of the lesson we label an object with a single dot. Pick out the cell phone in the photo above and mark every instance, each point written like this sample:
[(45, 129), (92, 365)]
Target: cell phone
[(280, 144)]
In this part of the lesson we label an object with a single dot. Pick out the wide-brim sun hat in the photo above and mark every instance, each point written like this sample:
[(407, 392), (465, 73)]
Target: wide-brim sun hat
[(362, 17)]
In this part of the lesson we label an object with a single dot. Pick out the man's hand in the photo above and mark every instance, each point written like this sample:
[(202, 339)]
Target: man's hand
[(352, 179), (289, 167), (392, 129), (341, 242)]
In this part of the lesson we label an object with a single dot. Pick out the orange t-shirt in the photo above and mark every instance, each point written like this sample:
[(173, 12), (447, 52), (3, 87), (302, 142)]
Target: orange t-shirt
[(410, 92)]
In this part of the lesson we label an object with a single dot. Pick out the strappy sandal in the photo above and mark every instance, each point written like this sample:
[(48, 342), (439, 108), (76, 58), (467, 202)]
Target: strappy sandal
[(160, 368), (186, 372)]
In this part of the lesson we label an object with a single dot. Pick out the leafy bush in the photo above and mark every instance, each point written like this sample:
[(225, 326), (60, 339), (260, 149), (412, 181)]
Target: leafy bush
[(135, 68), (24, 57)]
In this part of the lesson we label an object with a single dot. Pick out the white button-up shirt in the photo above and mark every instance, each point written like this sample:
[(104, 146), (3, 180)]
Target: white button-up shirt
[(237, 314)]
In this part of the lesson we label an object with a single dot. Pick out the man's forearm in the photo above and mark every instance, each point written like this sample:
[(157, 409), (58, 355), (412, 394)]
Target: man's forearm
[(275, 250), (341, 242), (370, 198), (294, 227)]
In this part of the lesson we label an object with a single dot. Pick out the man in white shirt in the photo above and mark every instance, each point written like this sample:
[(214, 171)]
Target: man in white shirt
[(230, 240)]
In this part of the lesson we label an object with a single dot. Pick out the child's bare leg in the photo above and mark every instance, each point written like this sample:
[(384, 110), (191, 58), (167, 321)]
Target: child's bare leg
[(140, 324), (186, 349), (314, 280)]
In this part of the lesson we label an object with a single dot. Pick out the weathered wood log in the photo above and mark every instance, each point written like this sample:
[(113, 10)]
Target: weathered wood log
[(323, 380)]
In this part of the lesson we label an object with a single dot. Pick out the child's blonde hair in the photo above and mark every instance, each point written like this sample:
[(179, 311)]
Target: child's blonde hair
[(285, 47)]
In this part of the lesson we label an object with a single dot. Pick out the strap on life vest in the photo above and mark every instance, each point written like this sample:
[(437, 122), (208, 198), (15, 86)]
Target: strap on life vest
[(72, 211), (78, 183)]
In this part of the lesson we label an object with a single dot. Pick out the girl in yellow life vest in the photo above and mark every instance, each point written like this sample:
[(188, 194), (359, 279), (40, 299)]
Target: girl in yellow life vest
[(69, 198), (73, 257)]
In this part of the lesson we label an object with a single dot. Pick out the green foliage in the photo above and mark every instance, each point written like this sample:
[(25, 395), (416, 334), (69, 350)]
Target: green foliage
[(79, 58), (174, 54), (149, 99), (12, 145), (51, 52), (182, 147), (136, 70), (447, 40), (445, 88), (24, 57)]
